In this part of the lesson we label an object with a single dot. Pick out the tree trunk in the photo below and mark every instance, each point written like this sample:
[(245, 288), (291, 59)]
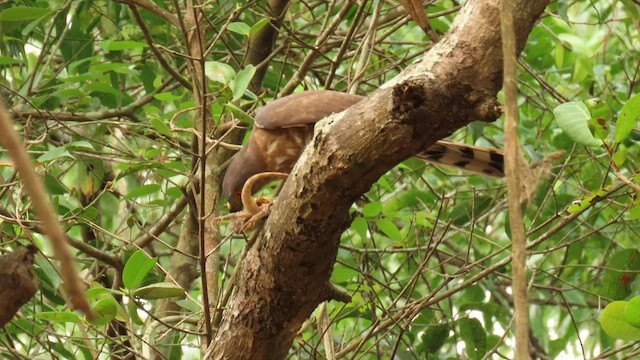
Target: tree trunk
[(285, 275)]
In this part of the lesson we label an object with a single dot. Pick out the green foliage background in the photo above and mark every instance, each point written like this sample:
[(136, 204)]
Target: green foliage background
[(426, 258)]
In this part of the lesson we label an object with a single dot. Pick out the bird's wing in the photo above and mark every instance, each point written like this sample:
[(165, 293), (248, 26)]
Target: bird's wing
[(303, 108)]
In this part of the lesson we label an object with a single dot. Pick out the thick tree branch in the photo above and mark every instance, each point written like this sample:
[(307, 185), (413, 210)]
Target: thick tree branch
[(284, 276)]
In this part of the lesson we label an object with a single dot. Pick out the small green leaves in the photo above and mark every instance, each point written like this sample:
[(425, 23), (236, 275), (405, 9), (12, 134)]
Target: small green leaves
[(104, 310), (434, 337), (54, 154), (342, 274), (136, 269), (632, 312), (58, 317), (628, 118), (372, 209), (615, 324), (474, 337), (64, 151), (239, 28), (258, 25), (161, 290), (573, 118), (219, 72), (225, 75), (5, 60), (587, 122), (240, 83), (390, 229), (239, 114), (360, 227), (246, 30), (23, 13), (600, 118), (142, 191), (117, 45), (622, 270), (160, 126), (166, 96)]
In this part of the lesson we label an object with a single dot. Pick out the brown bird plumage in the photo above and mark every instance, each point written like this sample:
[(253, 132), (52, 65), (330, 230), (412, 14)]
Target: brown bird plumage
[(284, 126)]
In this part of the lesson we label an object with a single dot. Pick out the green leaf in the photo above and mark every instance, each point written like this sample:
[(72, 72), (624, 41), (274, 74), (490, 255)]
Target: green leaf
[(80, 145), (632, 8), (142, 191), (89, 213), (58, 317), (632, 312), (259, 25), (620, 156), (583, 68), (49, 272), (559, 55), (241, 82), (166, 96), (372, 209), (360, 227), (434, 337), (190, 305), (54, 154), (390, 229), (98, 292), (407, 199), (598, 109), (474, 337), (634, 212), (108, 66), (53, 185), (103, 88), (628, 118), (136, 269), (239, 28), (160, 126), (119, 45), (239, 114), (468, 211), (23, 13), (219, 72), (573, 118), (161, 290), (132, 309), (4, 60), (104, 311), (600, 117), (562, 12), (621, 271), (343, 274), (614, 324)]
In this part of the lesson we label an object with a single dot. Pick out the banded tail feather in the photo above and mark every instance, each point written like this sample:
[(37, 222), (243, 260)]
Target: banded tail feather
[(480, 160)]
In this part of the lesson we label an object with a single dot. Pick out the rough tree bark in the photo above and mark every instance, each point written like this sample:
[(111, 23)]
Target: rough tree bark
[(183, 268), (285, 274)]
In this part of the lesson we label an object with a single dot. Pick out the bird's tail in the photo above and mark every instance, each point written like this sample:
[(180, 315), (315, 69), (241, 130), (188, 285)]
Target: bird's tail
[(481, 160)]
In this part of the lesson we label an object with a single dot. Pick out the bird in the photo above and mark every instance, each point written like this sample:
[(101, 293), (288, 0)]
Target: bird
[(283, 128)]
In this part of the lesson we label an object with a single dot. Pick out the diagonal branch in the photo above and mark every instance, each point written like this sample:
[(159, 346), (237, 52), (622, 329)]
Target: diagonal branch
[(285, 274), (153, 8)]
